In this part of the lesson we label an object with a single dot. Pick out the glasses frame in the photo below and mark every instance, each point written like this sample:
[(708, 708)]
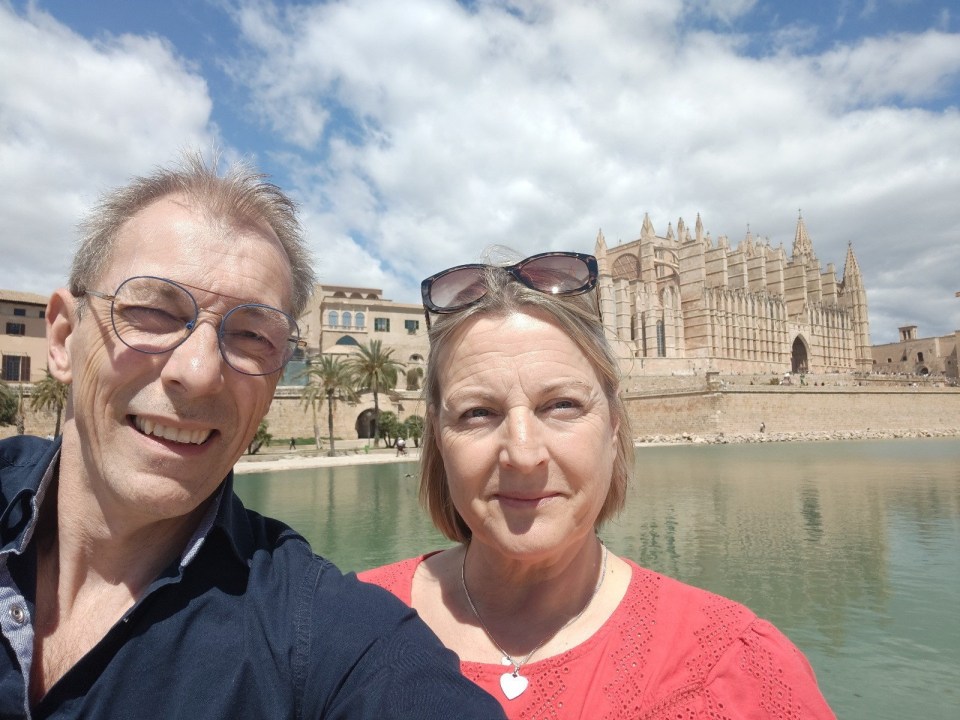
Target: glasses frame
[(516, 272), (294, 340)]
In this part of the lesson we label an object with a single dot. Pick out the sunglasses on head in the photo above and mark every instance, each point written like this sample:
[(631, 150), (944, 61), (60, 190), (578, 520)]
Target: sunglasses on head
[(553, 273)]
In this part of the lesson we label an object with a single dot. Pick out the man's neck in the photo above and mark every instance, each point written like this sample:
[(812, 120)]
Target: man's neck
[(90, 571)]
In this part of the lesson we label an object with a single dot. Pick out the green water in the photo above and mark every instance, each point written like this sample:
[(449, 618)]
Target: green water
[(852, 548)]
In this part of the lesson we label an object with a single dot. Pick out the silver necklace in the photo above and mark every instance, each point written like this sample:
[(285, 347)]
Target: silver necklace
[(512, 682)]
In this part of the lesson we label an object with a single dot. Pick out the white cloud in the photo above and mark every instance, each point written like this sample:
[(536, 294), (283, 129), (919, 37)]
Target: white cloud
[(534, 125), (417, 133), (76, 117)]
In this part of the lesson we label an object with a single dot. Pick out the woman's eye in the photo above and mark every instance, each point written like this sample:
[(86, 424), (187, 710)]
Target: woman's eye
[(476, 413)]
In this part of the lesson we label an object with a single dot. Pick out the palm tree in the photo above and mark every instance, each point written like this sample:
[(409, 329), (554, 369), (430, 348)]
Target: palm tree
[(8, 405), (329, 379), (50, 394), (375, 370)]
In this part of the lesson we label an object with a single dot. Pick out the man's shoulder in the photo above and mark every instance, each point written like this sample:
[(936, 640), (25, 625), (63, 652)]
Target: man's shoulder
[(23, 459), (23, 450)]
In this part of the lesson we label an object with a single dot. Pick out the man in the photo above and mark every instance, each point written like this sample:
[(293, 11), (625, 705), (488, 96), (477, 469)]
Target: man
[(133, 583)]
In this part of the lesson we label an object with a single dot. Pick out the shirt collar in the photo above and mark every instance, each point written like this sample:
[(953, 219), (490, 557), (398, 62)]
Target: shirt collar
[(39, 460)]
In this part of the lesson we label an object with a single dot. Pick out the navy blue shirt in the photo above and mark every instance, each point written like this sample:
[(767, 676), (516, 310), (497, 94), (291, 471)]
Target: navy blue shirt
[(249, 623)]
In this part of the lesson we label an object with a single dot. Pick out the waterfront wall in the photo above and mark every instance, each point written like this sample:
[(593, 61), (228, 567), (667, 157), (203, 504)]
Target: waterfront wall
[(785, 409), (677, 406)]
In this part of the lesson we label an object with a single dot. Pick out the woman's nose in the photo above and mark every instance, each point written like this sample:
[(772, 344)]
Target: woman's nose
[(523, 441)]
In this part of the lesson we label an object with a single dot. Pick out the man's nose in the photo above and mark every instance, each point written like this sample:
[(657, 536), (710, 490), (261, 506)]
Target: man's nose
[(196, 365)]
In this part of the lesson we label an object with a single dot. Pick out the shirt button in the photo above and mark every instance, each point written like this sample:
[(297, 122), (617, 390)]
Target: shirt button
[(18, 614)]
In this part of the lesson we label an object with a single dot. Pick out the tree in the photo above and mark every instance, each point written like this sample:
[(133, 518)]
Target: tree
[(50, 394), (330, 379), (260, 439), (375, 370), (413, 427), (389, 427), (8, 405)]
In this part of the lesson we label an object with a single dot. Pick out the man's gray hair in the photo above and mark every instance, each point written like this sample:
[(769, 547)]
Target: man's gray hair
[(240, 193)]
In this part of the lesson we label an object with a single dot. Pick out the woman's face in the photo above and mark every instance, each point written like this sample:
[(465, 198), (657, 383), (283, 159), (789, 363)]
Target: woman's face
[(525, 433)]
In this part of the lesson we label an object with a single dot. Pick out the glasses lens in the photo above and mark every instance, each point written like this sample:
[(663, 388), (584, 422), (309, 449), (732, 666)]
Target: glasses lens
[(258, 339), (556, 274), (457, 288), (152, 315)]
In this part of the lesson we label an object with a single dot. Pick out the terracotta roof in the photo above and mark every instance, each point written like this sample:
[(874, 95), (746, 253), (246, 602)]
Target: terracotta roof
[(23, 297)]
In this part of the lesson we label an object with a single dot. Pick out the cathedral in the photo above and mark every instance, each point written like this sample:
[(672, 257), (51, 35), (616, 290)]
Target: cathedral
[(682, 304)]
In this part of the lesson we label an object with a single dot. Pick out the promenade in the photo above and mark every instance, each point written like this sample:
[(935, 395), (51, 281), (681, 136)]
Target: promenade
[(275, 459)]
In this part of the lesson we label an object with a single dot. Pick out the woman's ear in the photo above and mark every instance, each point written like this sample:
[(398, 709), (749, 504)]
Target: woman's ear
[(61, 320)]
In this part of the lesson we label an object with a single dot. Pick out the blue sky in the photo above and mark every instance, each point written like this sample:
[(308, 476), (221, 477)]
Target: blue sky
[(414, 134)]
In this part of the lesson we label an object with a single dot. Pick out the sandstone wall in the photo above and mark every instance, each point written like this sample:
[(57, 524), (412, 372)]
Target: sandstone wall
[(741, 409), (677, 406)]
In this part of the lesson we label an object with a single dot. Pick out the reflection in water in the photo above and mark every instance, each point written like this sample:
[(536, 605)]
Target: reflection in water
[(852, 549)]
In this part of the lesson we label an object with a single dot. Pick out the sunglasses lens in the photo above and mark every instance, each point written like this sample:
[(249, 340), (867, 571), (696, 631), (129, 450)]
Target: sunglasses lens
[(556, 274), (458, 288)]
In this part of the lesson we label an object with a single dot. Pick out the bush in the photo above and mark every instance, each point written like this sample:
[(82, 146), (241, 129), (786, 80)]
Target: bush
[(8, 405)]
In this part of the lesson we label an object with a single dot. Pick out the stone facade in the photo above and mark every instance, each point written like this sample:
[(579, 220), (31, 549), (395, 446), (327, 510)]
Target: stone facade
[(679, 303), (340, 318), (23, 345), (930, 356)]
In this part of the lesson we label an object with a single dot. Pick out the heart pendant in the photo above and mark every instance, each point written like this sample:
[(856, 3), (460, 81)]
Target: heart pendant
[(513, 685)]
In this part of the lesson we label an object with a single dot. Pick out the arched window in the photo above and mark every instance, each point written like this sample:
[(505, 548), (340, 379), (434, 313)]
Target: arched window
[(347, 318), (358, 320), (334, 318)]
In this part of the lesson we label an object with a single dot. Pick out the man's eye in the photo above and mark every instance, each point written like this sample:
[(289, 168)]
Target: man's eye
[(151, 319)]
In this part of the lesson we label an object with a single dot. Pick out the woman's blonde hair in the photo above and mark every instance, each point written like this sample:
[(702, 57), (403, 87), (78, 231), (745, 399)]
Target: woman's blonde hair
[(578, 317)]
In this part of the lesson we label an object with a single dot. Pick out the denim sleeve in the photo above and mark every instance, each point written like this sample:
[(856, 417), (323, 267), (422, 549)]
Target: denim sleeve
[(362, 654)]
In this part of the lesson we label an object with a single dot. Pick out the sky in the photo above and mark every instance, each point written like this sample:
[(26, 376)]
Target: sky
[(416, 133)]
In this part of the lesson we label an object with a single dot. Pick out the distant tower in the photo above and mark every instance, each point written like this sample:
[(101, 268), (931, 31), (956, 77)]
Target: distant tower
[(855, 300)]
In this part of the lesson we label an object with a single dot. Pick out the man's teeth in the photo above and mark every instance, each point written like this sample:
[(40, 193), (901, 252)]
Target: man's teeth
[(181, 435)]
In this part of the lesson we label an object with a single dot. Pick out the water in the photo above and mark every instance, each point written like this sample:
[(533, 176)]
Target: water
[(852, 548)]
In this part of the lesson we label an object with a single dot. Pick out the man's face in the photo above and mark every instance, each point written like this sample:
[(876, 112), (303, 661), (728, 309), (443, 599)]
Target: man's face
[(153, 435)]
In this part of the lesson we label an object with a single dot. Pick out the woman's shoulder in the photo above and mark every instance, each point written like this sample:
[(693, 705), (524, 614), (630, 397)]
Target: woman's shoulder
[(682, 602), (396, 577)]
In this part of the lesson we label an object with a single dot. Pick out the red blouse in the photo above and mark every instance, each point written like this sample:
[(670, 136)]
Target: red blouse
[(668, 651)]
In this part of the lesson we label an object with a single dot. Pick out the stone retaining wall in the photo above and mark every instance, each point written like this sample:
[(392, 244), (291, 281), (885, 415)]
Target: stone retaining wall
[(679, 408), (742, 409)]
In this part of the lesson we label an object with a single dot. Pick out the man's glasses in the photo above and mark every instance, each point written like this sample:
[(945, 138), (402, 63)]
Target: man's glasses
[(554, 273), (154, 315)]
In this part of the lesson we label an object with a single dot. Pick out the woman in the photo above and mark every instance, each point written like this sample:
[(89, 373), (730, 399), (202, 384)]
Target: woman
[(526, 453)]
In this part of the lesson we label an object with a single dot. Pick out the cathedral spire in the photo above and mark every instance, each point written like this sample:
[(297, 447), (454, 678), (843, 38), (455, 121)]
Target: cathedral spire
[(802, 247), (647, 232), (851, 270)]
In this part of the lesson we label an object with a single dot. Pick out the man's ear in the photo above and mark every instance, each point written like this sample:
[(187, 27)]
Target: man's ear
[(61, 320)]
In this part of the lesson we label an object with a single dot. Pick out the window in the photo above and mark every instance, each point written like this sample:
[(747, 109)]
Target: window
[(919, 357), (43, 314), (20, 312), (16, 367), (411, 326), (16, 328), (347, 319), (333, 319), (358, 320), (661, 340), (381, 324)]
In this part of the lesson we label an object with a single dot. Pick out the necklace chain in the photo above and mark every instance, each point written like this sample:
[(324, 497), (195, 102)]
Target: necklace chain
[(486, 630)]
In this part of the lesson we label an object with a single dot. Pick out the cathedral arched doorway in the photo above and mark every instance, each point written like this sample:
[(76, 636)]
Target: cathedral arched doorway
[(798, 356), (365, 424)]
